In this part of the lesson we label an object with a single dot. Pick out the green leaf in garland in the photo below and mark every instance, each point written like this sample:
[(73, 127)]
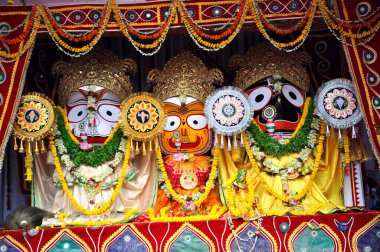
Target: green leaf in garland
[(99, 154), (274, 148)]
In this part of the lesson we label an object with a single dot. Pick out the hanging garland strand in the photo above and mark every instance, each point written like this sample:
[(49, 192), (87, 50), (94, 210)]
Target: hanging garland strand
[(99, 154), (76, 38), (65, 187), (312, 177), (209, 184), (277, 149)]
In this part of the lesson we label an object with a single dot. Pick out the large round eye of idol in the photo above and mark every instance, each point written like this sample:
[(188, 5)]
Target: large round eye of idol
[(293, 95), (77, 107), (172, 123), (197, 121), (259, 97), (108, 107)]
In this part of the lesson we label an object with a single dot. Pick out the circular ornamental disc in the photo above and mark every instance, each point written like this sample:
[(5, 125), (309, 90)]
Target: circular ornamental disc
[(337, 104), (142, 116), (228, 111)]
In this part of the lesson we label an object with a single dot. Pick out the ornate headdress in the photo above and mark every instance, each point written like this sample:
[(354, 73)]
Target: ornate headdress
[(263, 60), (184, 74), (101, 68)]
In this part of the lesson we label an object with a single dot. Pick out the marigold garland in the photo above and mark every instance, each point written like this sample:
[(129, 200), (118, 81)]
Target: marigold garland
[(339, 28), (215, 214), (66, 35), (27, 28), (303, 118), (228, 31), (299, 40), (70, 196), (63, 45), (241, 210), (310, 211), (29, 167), (346, 145), (209, 183), (313, 175)]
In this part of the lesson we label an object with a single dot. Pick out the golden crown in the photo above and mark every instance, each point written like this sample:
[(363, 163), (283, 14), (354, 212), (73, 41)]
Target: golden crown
[(101, 68), (185, 74), (263, 61)]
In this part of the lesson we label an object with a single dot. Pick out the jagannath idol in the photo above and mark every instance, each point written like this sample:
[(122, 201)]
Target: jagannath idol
[(188, 187), (288, 165), (94, 174)]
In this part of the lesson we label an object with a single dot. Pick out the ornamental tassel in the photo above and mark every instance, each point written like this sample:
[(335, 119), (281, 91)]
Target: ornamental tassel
[(229, 143), (216, 140), (36, 150), (150, 145), (235, 143), (144, 149), (222, 142), (340, 135), (353, 132), (132, 144), (137, 148), (21, 149), (28, 147), (156, 143), (28, 165), (241, 140), (43, 147), (327, 130), (15, 146)]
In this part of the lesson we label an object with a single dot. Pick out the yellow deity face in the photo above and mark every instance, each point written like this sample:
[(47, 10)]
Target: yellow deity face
[(186, 128)]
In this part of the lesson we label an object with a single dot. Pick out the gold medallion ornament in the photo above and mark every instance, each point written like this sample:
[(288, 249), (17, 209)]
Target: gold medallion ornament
[(188, 180), (142, 118), (34, 120)]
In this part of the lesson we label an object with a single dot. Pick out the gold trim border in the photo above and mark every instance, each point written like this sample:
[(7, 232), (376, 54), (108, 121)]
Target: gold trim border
[(53, 240), (362, 230), (14, 242)]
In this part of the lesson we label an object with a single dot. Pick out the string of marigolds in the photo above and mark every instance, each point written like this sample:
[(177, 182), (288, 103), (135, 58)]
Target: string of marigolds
[(310, 211), (346, 146), (313, 175), (209, 183), (328, 19), (75, 37), (26, 31), (106, 205), (63, 46)]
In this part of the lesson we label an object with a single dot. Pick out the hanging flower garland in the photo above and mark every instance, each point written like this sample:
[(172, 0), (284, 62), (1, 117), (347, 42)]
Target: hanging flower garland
[(23, 48), (295, 144), (63, 46), (342, 32), (313, 175), (209, 183), (29, 21), (346, 146), (81, 37), (244, 205), (293, 45), (209, 46), (297, 27), (237, 20), (106, 205), (99, 154)]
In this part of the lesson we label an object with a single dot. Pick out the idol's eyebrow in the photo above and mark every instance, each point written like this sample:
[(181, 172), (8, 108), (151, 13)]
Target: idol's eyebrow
[(78, 101), (110, 100)]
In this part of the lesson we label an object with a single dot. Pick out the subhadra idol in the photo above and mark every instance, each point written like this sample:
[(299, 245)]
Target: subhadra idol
[(96, 176), (188, 188), (287, 165)]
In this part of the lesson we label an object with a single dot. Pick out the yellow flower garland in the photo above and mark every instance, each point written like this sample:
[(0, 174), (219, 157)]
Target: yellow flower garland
[(303, 118), (28, 44), (29, 166), (310, 211), (293, 43), (313, 175), (69, 195), (123, 28), (83, 49), (221, 44), (349, 34), (126, 217), (346, 145), (215, 214), (241, 210), (209, 183)]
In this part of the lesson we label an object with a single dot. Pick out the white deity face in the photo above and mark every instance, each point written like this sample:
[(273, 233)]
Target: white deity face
[(94, 112)]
